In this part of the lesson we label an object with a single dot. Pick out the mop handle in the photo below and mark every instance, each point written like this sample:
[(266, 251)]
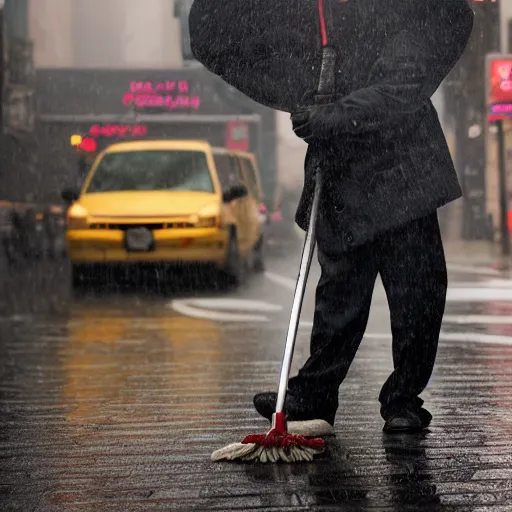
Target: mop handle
[(300, 288), (325, 92)]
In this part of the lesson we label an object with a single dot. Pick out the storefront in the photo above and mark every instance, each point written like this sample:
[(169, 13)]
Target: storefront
[(104, 106), (499, 104)]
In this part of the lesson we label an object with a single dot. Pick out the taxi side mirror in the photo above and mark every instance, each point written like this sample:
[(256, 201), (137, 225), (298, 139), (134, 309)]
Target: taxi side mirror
[(235, 192), (69, 194)]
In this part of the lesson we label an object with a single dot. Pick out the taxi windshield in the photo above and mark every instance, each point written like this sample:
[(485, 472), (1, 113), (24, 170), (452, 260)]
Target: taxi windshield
[(152, 170)]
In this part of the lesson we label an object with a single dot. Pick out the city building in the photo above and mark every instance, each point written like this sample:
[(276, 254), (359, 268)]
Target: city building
[(105, 33)]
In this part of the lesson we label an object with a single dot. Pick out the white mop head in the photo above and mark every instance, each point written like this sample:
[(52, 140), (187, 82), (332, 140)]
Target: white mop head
[(255, 453), (291, 444)]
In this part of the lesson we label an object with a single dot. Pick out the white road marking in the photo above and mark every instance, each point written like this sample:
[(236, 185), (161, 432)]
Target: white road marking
[(238, 310), (480, 294), (475, 337), (208, 309), (471, 337), (491, 283), (186, 310), (478, 319), (257, 306)]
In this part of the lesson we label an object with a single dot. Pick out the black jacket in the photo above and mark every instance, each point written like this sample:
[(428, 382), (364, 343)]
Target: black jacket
[(386, 161)]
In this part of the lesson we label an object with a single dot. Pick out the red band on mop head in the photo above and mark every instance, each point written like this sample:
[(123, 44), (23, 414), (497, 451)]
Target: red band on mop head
[(283, 440)]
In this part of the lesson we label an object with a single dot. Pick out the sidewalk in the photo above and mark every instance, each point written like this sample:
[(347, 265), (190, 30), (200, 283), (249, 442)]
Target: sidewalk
[(476, 253)]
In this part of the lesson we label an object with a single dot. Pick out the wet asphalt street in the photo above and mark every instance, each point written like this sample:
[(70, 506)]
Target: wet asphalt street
[(114, 400)]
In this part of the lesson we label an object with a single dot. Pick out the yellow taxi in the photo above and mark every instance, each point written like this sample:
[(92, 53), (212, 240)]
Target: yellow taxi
[(167, 201)]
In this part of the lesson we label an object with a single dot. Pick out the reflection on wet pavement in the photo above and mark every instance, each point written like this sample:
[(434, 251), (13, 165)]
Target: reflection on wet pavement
[(338, 482), (116, 402), (118, 407)]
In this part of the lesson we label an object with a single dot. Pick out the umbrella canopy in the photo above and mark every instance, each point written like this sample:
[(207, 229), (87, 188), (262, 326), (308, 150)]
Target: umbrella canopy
[(270, 51)]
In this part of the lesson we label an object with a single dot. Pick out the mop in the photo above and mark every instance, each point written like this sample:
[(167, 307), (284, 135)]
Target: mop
[(283, 443), (293, 442)]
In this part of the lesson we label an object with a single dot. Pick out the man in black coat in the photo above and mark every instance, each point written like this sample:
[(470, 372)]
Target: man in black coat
[(387, 170)]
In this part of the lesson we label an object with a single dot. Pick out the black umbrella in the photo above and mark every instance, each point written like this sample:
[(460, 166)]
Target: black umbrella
[(272, 55)]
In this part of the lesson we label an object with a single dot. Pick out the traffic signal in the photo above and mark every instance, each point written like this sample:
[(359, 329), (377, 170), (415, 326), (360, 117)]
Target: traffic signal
[(85, 144)]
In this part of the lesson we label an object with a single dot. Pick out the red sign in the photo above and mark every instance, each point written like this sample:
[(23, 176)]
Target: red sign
[(237, 136), (88, 145), (172, 94), (118, 130), (500, 89)]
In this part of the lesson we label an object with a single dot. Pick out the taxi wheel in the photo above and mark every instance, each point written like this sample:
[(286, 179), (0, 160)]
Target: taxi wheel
[(258, 256), (235, 266)]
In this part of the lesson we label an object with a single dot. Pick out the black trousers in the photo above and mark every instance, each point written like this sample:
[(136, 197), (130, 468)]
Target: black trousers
[(412, 266)]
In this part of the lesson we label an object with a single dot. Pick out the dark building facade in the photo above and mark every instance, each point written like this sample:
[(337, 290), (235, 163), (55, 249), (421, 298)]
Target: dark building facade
[(110, 105)]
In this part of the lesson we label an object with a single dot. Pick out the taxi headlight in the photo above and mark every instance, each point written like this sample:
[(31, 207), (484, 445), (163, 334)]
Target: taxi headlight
[(208, 222), (77, 217)]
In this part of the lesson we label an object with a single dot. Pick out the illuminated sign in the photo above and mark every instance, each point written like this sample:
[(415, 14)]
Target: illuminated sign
[(118, 130), (89, 143), (85, 144), (499, 81), (171, 94)]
